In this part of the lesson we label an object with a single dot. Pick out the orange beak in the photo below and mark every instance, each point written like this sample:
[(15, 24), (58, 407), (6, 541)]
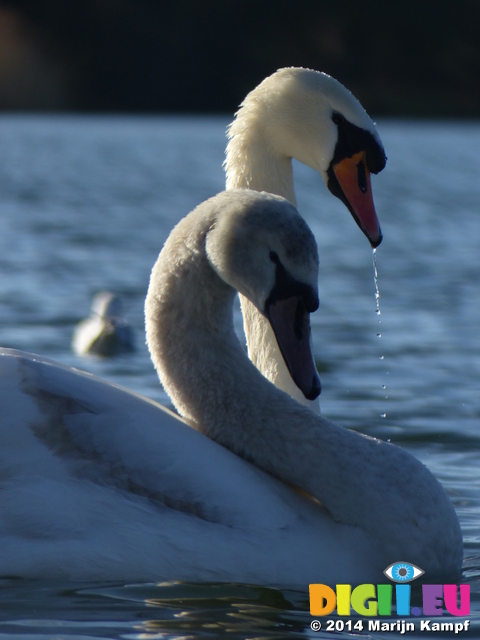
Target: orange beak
[(354, 179)]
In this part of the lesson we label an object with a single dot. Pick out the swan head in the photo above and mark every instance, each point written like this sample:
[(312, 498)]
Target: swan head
[(273, 264), (106, 305), (307, 115)]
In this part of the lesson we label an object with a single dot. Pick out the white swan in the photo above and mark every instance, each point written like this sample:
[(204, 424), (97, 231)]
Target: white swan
[(99, 483), (104, 332), (307, 115)]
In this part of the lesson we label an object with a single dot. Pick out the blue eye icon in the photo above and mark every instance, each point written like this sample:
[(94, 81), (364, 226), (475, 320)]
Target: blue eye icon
[(403, 572)]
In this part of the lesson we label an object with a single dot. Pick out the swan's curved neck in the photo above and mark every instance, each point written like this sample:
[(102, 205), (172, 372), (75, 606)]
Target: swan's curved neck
[(218, 390), (253, 163), (202, 365)]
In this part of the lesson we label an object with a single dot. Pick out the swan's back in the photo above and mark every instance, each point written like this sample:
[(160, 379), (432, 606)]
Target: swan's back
[(100, 483)]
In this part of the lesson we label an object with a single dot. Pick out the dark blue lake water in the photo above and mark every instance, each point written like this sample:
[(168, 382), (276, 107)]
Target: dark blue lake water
[(86, 204)]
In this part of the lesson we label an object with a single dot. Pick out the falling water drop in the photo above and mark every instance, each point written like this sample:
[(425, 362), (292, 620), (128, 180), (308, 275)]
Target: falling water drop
[(377, 291), (377, 311)]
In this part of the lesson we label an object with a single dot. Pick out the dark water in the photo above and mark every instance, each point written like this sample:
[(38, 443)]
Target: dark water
[(86, 204)]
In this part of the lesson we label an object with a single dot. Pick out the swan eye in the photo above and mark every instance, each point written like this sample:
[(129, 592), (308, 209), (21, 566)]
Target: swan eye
[(403, 572), (337, 118), (274, 257)]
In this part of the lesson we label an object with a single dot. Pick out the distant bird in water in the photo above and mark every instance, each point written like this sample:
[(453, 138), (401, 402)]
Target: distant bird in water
[(104, 332)]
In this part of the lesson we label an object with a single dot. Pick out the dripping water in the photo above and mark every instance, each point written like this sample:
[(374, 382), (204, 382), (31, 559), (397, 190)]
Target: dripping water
[(379, 313), (377, 291)]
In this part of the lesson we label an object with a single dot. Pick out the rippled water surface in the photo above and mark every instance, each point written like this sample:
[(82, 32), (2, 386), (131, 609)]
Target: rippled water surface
[(86, 204)]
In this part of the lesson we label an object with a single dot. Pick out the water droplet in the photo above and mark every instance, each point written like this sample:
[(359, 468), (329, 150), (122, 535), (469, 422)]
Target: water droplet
[(377, 311), (375, 279)]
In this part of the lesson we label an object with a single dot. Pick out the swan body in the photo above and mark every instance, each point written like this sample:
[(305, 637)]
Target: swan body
[(97, 482), (307, 115), (104, 332)]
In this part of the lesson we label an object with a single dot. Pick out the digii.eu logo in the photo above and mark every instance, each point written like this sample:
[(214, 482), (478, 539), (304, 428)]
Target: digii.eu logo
[(377, 600)]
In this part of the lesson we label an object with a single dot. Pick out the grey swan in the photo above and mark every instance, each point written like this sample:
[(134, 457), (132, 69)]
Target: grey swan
[(98, 483)]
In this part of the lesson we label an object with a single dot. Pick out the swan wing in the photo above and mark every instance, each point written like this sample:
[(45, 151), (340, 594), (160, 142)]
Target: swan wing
[(97, 482), (63, 423)]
